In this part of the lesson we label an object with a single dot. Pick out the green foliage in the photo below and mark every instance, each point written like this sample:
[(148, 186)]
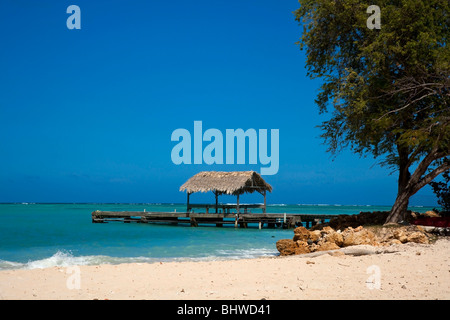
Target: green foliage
[(388, 88), (442, 191)]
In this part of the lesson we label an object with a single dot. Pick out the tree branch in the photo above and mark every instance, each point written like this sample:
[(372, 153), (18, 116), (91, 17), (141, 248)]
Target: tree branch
[(407, 105), (413, 155), (429, 177), (423, 166)]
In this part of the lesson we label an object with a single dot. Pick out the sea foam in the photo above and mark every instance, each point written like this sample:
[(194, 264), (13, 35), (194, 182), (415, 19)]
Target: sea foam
[(59, 259), (67, 259)]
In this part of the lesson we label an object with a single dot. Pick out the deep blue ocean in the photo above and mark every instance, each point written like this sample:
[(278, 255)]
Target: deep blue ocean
[(46, 235)]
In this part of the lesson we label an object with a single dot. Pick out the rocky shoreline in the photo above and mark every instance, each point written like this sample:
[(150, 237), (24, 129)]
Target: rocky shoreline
[(344, 231)]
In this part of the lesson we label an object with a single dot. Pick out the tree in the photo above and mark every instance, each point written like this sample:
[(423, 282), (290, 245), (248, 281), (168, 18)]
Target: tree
[(387, 89), (442, 191)]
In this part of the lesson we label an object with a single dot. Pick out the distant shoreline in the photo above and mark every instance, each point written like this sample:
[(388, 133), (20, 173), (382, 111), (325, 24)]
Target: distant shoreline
[(182, 203)]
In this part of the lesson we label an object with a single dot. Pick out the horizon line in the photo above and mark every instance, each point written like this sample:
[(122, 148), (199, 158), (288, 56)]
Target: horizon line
[(183, 203)]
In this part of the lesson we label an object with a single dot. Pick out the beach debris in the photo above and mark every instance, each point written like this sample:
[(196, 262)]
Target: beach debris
[(344, 265), (328, 239)]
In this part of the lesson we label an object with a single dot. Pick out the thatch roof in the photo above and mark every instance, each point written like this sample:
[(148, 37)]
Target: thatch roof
[(235, 182)]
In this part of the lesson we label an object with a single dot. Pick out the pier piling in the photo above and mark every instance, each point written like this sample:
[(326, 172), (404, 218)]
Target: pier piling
[(242, 220)]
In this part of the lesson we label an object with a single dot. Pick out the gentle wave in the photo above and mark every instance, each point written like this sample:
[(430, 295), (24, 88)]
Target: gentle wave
[(66, 259), (59, 259), (246, 253)]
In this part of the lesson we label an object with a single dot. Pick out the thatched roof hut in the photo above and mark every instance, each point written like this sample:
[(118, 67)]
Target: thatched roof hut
[(231, 183)]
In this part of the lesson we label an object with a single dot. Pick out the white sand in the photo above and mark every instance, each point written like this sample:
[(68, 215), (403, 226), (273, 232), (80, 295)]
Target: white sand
[(414, 272)]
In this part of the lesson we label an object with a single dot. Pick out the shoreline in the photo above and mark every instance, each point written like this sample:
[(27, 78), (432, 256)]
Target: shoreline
[(64, 259), (406, 271)]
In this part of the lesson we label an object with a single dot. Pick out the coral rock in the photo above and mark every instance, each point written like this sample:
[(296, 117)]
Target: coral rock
[(286, 247), (417, 237), (301, 233), (324, 246), (302, 247), (327, 238), (357, 236)]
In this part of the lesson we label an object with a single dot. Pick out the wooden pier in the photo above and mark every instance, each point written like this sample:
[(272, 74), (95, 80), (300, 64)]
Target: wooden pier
[(237, 214), (260, 220)]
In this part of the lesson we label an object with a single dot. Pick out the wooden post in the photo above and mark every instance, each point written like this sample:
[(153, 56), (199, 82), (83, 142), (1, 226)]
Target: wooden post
[(264, 210), (188, 209), (217, 201), (237, 207)]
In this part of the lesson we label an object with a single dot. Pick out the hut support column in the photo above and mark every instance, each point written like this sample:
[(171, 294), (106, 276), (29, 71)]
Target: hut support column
[(217, 201), (237, 213), (264, 201), (188, 209)]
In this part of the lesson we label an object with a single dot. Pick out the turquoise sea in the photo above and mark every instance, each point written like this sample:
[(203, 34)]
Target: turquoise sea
[(45, 235)]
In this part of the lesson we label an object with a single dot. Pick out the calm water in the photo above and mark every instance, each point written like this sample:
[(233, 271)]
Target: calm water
[(45, 235)]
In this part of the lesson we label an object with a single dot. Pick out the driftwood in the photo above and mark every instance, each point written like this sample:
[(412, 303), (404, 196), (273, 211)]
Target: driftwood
[(359, 250)]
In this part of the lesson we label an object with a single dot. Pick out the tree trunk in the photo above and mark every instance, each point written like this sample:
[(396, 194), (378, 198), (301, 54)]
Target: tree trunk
[(398, 211)]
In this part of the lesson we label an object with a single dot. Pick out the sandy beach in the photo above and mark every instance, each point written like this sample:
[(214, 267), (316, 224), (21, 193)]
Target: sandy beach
[(405, 271)]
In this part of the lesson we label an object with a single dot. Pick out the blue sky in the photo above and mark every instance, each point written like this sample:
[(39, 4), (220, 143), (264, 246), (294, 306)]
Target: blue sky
[(87, 115)]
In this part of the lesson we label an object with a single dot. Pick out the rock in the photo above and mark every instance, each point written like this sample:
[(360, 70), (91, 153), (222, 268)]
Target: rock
[(403, 234), (417, 237), (357, 236), (385, 235), (286, 247), (314, 236), (302, 247), (362, 219), (301, 233), (324, 246), (325, 239), (335, 238), (400, 235), (327, 229), (431, 214)]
